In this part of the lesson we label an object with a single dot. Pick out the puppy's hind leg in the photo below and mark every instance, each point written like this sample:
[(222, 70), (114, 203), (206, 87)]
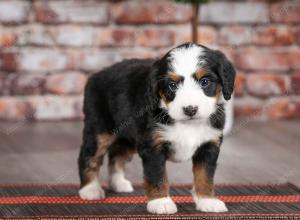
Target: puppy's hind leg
[(119, 155), (90, 159)]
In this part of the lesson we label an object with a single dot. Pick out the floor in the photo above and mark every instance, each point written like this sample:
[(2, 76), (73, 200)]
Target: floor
[(46, 152)]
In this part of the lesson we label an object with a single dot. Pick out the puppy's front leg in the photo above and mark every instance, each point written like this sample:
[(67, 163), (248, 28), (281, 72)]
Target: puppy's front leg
[(155, 180), (204, 166)]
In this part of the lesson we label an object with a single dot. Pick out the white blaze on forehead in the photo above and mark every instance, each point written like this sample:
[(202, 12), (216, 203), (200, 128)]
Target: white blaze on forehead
[(185, 60)]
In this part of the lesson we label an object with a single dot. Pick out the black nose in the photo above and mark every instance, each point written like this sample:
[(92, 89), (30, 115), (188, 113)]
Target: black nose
[(190, 110)]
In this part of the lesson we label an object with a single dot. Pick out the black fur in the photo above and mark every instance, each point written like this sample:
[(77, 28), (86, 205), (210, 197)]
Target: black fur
[(217, 119), (220, 65), (124, 100), (207, 155)]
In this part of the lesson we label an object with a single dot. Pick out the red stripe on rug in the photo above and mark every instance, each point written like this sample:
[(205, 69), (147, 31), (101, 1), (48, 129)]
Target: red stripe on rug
[(178, 199), (158, 216), (138, 185)]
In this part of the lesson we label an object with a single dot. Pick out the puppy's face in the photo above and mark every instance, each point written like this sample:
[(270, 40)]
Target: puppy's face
[(192, 80)]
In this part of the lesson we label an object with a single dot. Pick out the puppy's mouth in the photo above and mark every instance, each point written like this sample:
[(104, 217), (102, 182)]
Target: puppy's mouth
[(191, 119)]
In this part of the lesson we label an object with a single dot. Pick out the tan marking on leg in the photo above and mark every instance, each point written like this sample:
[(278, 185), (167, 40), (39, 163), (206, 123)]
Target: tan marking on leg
[(104, 140), (203, 186), (90, 173), (155, 192)]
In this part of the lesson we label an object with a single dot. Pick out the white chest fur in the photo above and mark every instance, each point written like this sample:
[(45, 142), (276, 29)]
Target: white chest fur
[(186, 137)]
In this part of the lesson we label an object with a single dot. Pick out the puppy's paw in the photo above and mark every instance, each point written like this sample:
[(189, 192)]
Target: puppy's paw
[(210, 205), (92, 191), (121, 185), (162, 206)]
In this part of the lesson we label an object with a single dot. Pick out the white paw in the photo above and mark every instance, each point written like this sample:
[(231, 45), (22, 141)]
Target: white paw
[(210, 205), (118, 183), (92, 191), (121, 185), (162, 206)]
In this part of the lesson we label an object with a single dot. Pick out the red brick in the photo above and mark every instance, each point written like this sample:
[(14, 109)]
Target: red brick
[(8, 61), (27, 84), (285, 11), (141, 12), (266, 84), (234, 12), (4, 84), (109, 37), (279, 108), (33, 53), (14, 108), (34, 35), (42, 60), (239, 85), (256, 59), (88, 11), (206, 35), (75, 57), (296, 32), (235, 35), (95, 59), (248, 107), (56, 107), (66, 83), (273, 36), (141, 54), (155, 38), (14, 11), (294, 58), (73, 35), (284, 108), (295, 82), (229, 52), (7, 38)]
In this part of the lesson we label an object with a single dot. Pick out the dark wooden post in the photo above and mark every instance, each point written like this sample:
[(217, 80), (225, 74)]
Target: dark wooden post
[(195, 6)]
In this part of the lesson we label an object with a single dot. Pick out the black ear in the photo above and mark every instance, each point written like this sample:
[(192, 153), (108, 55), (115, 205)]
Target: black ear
[(226, 73), (152, 80)]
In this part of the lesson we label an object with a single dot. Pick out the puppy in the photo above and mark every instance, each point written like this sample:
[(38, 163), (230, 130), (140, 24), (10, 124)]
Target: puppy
[(165, 109)]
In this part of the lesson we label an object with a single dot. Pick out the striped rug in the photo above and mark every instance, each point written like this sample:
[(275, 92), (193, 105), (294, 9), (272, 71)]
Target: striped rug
[(244, 201)]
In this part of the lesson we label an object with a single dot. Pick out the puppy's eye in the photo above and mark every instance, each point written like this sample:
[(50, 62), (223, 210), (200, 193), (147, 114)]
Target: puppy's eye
[(173, 86), (204, 82)]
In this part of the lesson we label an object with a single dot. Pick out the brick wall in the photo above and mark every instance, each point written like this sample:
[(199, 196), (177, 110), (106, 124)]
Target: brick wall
[(48, 48)]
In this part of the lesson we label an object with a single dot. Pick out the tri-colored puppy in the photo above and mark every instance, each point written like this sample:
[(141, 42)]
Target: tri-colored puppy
[(165, 109)]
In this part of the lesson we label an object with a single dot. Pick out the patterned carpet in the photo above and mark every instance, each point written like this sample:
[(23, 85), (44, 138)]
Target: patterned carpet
[(246, 201)]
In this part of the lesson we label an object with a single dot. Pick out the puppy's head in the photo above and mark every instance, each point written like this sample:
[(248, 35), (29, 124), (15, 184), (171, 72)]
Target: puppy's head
[(190, 80)]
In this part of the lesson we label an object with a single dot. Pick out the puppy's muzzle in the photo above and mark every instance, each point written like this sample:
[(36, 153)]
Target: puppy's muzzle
[(190, 110)]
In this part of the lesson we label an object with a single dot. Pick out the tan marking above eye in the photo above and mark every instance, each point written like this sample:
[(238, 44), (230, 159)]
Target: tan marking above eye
[(200, 73), (175, 77)]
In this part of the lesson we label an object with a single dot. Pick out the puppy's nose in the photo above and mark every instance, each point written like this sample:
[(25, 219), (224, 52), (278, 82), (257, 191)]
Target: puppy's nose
[(190, 110)]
